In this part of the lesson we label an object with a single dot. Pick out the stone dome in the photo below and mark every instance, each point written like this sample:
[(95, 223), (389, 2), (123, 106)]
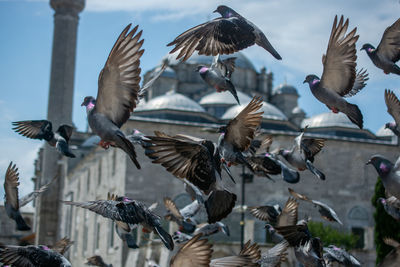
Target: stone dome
[(171, 100), (270, 112), (384, 132), (298, 111), (285, 88), (241, 60), (225, 98), (328, 119)]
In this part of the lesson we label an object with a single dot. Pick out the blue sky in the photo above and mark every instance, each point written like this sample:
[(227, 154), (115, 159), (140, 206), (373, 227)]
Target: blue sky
[(299, 30)]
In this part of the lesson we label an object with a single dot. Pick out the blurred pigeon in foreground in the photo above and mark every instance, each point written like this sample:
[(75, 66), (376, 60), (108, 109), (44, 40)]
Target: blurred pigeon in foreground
[(182, 216), (224, 35), (11, 201), (275, 255), (393, 108), (43, 129), (388, 172), (387, 53), (339, 75), (393, 258), (218, 75), (302, 154), (335, 254), (391, 206), (38, 256), (324, 210), (127, 212), (97, 261)]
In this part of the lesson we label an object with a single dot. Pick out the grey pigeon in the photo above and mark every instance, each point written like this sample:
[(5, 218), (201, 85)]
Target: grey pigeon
[(387, 53), (224, 35), (198, 161), (388, 172), (183, 217), (97, 260), (43, 129), (35, 193), (203, 229), (11, 201), (339, 76), (218, 75), (324, 210), (274, 237), (393, 108), (118, 92), (336, 254), (391, 206), (193, 191), (302, 153), (275, 255), (38, 256), (237, 135), (126, 212), (180, 237), (136, 137), (392, 259)]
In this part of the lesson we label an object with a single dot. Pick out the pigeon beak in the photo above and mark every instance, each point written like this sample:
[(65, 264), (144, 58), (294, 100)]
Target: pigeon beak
[(83, 103), (215, 11), (304, 81)]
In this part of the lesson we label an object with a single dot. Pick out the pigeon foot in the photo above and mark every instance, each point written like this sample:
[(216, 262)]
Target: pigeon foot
[(104, 144)]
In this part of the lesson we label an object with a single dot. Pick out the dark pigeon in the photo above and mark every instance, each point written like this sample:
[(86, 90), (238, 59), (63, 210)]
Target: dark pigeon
[(275, 255), (302, 153), (198, 161), (335, 254), (97, 260), (218, 75), (11, 201), (126, 212), (387, 53), (339, 78), (391, 206), (225, 35), (43, 129), (38, 256), (388, 172), (393, 108)]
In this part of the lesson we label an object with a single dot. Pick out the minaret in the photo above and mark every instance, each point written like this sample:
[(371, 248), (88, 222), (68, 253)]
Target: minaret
[(59, 111)]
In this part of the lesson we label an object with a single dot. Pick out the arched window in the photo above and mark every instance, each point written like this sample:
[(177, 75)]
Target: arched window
[(358, 219)]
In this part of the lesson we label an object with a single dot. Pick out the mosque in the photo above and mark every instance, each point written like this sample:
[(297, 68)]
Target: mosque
[(180, 102)]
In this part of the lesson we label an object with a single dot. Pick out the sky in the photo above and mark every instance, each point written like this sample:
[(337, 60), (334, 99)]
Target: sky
[(299, 30)]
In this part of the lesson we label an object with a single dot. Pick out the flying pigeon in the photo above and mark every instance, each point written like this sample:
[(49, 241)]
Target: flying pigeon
[(118, 92), (97, 260), (237, 135), (302, 154), (308, 249), (393, 108), (136, 137), (324, 210), (126, 212), (387, 53), (391, 206), (43, 129), (275, 255), (199, 162), (392, 259), (225, 35), (388, 172), (203, 229), (38, 256), (182, 216), (218, 75), (248, 256), (335, 254), (62, 245), (196, 252), (339, 75)]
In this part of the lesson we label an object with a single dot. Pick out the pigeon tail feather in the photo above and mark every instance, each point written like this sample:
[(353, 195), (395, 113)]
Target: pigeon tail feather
[(354, 114), (396, 69), (165, 237), (21, 224), (314, 170), (264, 43), (128, 147), (232, 90), (219, 205)]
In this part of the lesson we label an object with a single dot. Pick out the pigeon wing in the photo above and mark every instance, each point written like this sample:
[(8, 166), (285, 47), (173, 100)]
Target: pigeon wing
[(28, 198), (119, 80), (65, 131), (11, 184), (264, 213), (289, 213), (393, 105), (195, 252), (340, 60), (241, 130), (16, 256), (312, 146), (62, 245), (389, 47), (40, 129), (171, 207), (106, 208), (359, 83)]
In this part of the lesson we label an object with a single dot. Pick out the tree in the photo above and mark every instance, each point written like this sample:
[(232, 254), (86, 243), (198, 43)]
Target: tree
[(332, 236), (385, 225)]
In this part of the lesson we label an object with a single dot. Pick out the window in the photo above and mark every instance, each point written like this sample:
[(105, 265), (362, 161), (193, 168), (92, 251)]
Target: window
[(114, 162), (359, 232), (99, 173), (111, 234)]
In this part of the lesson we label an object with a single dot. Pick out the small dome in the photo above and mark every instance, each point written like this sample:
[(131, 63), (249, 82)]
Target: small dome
[(225, 98), (171, 100), (285, 89), (384, 132), (270, 112), (328, 119), (298, 111), (241, 60)]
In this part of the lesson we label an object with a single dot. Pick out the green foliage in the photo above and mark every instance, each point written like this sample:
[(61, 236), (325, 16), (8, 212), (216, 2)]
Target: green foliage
[(385, 225), (332, 236)]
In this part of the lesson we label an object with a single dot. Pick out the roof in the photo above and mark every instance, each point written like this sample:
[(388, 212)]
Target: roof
[(383, 132), (285, 88), (270, 112), (171, 100), (241, 60), (225, 98), (328, 119)]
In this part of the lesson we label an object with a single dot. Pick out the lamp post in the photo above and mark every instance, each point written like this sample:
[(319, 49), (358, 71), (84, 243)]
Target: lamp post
[(246, 178)]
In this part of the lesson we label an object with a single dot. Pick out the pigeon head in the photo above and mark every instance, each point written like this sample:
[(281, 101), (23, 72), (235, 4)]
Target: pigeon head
[(390, 125), (381, 200), (269, 228), (89, 102), (226, 12), (311, 79), (381, 164), (223, 228), (284, 153), (202, 69), (368, 48)]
